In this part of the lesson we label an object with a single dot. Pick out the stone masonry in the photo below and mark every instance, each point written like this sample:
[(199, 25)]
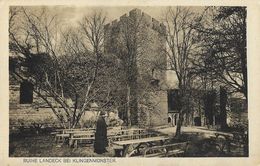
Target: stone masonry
[(141, 38)]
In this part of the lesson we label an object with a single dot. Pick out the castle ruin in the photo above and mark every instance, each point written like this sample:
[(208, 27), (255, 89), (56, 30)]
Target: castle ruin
[(138, 40)]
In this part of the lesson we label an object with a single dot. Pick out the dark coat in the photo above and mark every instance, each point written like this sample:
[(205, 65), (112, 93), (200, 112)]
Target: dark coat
[(101, 142)]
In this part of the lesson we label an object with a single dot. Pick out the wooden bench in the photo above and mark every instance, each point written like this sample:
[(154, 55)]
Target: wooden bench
[(60, 138), (83, 137), (62, 134), (80, 137), (169, 150)]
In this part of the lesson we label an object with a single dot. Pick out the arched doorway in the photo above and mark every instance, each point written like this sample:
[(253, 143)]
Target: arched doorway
[(169, 120), (197, 121)]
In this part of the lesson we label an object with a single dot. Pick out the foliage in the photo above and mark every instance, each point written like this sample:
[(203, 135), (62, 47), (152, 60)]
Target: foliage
[(222, 54)]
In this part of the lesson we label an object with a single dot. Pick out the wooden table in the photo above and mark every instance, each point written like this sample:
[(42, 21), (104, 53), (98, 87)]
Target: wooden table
[(125, 131), (137, 144)]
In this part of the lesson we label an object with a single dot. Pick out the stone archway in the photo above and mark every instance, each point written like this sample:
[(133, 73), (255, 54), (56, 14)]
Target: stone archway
[(173, 118), (169, 120)]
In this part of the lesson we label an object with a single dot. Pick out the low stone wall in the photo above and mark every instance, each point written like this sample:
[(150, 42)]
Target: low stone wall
[(27, 116)]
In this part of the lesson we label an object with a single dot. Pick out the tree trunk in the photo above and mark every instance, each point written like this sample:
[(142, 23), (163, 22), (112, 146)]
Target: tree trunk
[(209, 104), (181, 112), (223, 112), (128, 116), (179, 124)]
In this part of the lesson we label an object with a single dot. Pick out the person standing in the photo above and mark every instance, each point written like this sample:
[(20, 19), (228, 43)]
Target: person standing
[(101, 142)]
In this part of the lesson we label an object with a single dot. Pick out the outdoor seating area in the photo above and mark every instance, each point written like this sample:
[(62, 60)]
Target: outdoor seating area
[(132, 142), (125, 142), (86, 136), (139, 142)]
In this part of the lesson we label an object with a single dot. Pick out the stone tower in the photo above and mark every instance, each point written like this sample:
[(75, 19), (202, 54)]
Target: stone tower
[(138, 40)]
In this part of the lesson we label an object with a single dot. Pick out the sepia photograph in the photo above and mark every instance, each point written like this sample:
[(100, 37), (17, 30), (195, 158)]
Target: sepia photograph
[(128, 81)]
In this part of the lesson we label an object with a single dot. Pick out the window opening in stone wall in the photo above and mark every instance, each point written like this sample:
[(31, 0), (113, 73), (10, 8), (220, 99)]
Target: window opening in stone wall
[(26, 93), (154, 81)]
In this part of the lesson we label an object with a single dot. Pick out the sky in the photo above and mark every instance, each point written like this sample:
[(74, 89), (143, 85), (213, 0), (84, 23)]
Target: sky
[(112, 13), (72, 14)]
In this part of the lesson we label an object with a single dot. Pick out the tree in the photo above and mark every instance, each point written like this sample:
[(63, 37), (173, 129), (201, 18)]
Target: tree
[(33, 35), (67, 68), (222, 34), (127, 44), (180, 44), (210, 98), (223, 103)]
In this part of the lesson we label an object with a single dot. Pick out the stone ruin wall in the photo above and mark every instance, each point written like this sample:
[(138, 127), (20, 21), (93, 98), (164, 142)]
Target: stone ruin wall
[(153, 32), (27, 114)]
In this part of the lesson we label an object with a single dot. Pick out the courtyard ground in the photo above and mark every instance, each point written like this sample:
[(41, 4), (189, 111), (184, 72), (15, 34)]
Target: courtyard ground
[(45, 145)]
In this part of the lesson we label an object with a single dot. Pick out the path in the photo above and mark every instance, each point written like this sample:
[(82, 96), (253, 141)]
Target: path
[(191, 129)]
